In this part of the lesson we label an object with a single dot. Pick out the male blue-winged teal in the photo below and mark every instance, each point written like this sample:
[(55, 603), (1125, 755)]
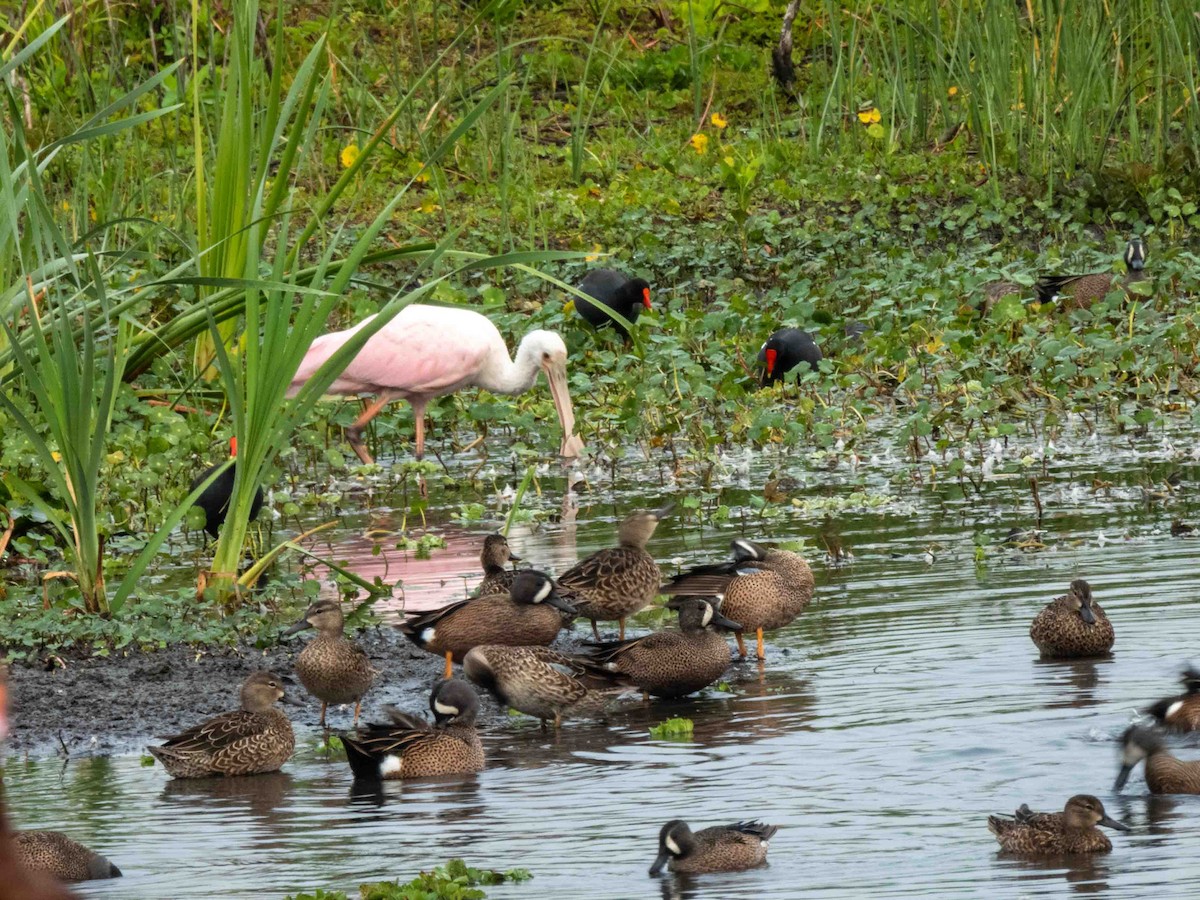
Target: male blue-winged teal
[(332, 668), (1053, 834), (722, 848), (495, 557), (537, 681), (1073, 625), (527, 614), (617, 582), (1182, 712), (784, 350), (764, 589), (1081, 291), (254, 739), (672, 663), (56, 854), (1164, 773), (411, 748)]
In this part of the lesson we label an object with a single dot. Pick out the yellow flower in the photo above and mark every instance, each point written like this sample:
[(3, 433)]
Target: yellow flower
[(349, 155), (870, 116), (951, 91), (66, 207), (595, 254), (428, 206), (699, 142), (719, 120), (421, 178)]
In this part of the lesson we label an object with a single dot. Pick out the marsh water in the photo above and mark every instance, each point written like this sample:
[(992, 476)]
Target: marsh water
[(887, 722)]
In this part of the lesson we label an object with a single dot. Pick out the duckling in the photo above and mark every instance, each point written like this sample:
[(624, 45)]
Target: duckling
[(617, 582), (527, 614), (722, 848), (1052, 834), (332, 668), (255, 739), (1182, 712), (1073, 625), (1164, 773), (673, 663), (537, 681), (411, 748), (764, 589), (1081, 291), (56, 854), (496, 555)]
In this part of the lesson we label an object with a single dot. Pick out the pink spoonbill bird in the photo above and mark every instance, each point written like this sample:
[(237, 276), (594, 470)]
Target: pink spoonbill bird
[(431, 351)]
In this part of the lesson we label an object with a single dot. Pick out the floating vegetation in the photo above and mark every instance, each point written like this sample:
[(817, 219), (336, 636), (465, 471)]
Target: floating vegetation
[(673, 729)]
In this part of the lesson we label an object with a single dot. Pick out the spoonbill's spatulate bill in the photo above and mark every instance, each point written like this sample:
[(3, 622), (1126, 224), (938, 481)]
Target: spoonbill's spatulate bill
[(430, 351)]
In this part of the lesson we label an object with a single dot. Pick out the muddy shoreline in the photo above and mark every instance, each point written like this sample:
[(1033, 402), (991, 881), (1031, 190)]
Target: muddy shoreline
[(113, 705)]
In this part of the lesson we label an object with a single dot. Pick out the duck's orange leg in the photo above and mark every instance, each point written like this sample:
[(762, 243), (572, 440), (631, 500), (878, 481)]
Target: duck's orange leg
[(449, 665), (357, 710), (761, 653), (323, 706), (621, 623), (741, 642)]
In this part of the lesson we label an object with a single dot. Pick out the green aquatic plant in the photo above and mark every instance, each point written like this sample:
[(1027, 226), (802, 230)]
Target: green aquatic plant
[(673, 729), (453, 881)]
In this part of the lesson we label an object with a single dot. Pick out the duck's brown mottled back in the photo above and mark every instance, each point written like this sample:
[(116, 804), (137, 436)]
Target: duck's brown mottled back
[(58, 855), (332, 668), (1073, 626), (1053, 834)]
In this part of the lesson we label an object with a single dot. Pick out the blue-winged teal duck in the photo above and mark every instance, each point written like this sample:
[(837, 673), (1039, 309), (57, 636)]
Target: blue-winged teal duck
[(411, 748), (332, 668), (617, 582), (1053, 834), (528, 614), (1182, 712), (1164, 773), (722, 848), (58, 855), (254, 739), (784, 350), (672, 663), (495, 557), (1081, 291), (1073, 625), (764, 589), (538, 681)]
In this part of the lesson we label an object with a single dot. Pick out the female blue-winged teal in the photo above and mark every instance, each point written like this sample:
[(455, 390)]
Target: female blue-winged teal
[(1081, 291), (495, 557), (722, 848), (764, 589), (411, 748), (56, 854), (1182, 712), (1164, 773), (254, 739), (1073, 625), (1053, 834), (672, 663), (332, 668), (537, 681), (617, 582), (527, 614)]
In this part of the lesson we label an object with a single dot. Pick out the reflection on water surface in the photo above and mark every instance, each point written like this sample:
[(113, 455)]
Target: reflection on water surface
[(905, 706)]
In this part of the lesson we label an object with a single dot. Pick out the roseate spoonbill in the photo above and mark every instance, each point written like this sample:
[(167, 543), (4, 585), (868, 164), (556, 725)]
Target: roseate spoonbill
[(617, 291), (784, 350), (1081, 291), (214, 499), (431, 351)]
